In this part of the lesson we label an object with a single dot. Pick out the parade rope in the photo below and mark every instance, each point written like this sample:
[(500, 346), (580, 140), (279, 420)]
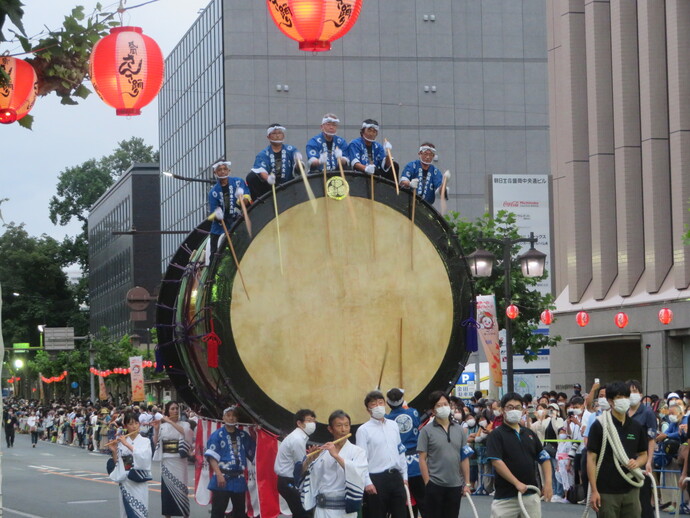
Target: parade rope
[(680, 494), (522, 505), (474, 509), (620, 459)]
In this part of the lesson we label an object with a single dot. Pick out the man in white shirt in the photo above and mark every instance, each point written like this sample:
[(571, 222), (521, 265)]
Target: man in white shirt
[(291, 452), (387, 476)]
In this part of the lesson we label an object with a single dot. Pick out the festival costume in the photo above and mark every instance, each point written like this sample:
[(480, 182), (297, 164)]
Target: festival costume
[(319, 144), (335, 492), (282, 164), (429, 181), (132, 472), (227, 200), (172, 450)]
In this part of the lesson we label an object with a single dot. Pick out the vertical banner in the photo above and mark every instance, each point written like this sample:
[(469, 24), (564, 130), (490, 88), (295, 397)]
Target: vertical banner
[(102, 393), (488, 335), (137, 376)]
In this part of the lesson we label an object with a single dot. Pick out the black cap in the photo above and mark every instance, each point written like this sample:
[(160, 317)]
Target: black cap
[(577, 386)]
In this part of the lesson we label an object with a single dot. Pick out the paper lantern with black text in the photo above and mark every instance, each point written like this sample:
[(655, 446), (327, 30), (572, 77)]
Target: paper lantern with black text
[(512, 311), (19, 95), (621, 320), (582, 318)]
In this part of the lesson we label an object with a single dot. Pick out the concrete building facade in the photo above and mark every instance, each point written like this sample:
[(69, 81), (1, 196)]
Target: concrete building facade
[(619, 81)]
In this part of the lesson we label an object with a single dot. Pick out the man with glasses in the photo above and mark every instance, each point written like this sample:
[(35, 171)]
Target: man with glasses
[(513, 451)]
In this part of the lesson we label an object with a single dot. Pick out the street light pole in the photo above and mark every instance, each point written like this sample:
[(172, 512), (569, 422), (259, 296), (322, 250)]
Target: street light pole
[(507, 260)]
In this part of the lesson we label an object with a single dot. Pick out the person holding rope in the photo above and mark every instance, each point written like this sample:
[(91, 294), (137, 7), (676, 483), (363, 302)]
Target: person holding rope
[(614, 474), (514, 450), (228, 450), (291, 453), (224, 199), (326, 148), (333, 482), (273, 165), (368, 156)]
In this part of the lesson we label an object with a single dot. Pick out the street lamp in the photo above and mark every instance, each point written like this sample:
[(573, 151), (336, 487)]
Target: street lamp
[(532, 264)]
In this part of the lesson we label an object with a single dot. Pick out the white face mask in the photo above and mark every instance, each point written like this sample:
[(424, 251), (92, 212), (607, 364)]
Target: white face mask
[(635, 398), (603, 403), (471, 423), (621, 405), (309, 428), (513, 416), (497, 413), (540, 412), (442, 412), (482, 424), (562, 436), (458, 416), (672, 418), (378, 412), (576, 411)]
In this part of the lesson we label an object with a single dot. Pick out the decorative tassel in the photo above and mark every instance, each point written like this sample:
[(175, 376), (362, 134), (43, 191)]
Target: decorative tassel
[(212, 342), (471, 325), (159, 360)]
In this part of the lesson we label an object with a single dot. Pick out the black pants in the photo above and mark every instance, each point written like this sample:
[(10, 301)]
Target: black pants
[(34, 437), (389, 498), (441, 502), (583, 471), (417, 491), (219, 503), (646, 499), (257, 187), (9, 437), (288, 490)]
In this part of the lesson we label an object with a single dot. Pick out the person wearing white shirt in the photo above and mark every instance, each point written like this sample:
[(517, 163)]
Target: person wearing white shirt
[(291, 452), (387, 475)]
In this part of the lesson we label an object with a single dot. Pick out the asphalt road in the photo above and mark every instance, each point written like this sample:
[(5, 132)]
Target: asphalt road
[(54, 481)]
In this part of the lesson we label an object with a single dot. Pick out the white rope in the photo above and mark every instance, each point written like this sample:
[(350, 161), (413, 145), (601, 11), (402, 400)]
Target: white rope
[(620, 458), (680, 494), (409, 501), (522, 505), (474, 509)]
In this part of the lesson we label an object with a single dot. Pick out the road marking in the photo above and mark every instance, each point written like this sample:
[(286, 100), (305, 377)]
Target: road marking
[(19, 513), (88, 502)]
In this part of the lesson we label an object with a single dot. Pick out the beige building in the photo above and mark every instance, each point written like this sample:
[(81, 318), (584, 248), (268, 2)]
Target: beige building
[(619, 96)]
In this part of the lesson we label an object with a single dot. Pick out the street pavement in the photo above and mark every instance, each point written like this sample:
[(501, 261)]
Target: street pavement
[(57, 481)]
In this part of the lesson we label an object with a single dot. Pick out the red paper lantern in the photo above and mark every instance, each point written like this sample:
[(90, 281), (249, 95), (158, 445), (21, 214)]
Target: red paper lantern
[(582, 318), (512, 311), (126, 69), (621, 319), (314, 24), (546, 317), (665, 316), (19, 96)]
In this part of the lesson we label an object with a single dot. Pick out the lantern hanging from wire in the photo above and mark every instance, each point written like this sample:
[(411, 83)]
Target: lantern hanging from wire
[(582, 318), (314, 24), (665, 316), (18, 96), (512, 312), (621, 319), (546, 317), (126, 69)]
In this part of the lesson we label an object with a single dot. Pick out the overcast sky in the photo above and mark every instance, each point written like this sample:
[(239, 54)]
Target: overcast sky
[(65, 136)]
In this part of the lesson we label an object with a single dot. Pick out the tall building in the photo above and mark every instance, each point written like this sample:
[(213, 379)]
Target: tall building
[(468, 76), (618, 91), (119, 262)]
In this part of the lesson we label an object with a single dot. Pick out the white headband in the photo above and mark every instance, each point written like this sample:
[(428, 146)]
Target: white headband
[(427, 148), (326, 120), (366, 125), (271, 129), (218, 164), (229, 409)]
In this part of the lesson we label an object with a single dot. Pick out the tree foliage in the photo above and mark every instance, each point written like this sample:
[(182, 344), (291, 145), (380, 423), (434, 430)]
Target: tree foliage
[(524, 295), (79, 187)]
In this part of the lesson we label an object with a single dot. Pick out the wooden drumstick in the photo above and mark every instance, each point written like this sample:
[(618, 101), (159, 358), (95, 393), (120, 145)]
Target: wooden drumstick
[(395, 176), (383, 366), (275, 208), (234, 256), (118, 439), (350, 207), (414, 204), (444, 185), (310, 193), (337, 441), (373, 219), (325, 202), (402, 384), (247, 221)]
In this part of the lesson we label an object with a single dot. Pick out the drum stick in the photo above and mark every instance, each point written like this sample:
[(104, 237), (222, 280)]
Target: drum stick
[(383, 366), (350, 207), (402, 384), (275, 208), (234, 256), (395, 176), (414, 204), (247, 221), (443, 194), (325, 202), (310, 193), (373, 220), (337, 441), (118, 439)]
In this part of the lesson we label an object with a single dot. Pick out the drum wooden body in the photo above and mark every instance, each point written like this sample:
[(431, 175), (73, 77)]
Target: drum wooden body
[(364, 295)]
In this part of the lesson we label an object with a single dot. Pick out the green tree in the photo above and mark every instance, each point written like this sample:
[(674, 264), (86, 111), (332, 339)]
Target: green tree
[(530, 301), (79, 187)]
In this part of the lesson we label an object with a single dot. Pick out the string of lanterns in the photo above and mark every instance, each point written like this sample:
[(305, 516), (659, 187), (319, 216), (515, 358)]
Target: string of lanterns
[(120, 370), (582, 318), (14, 379), (53, 379)]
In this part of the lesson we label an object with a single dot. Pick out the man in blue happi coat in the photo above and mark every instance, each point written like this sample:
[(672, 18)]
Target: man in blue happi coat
[(224, 200), (368, 156), (327, 148), (422, 176)]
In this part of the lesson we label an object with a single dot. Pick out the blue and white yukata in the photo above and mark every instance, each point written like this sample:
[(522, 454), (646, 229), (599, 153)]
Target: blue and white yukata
[(319, 144), (429, 181), (266, 162), (228, 202), (357, 152), (134, 494)]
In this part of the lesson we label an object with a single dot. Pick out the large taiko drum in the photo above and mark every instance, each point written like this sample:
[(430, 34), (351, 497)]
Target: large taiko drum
[(332, 299)]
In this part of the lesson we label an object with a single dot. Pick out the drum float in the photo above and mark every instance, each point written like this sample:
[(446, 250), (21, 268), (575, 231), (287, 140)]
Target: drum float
[(364, 297)]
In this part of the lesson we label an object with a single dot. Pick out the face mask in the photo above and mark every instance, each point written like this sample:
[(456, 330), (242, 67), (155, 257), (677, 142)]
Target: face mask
[(424, 161), (621, 405), (672, 418), (497, 413), (576, 411), (635, 398), (513, 416), (378, 412), (482, 424), (276, 141), (443, 412), (562, 436), (309, 428), (471, 423), (476, 410), (603, 403), (458, 417), (540, 412), (561, 403)]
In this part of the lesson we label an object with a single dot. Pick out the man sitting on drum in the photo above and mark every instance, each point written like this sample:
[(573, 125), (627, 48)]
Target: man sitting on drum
[(422, 176), (368, 156), (326, 148), (224, 200)]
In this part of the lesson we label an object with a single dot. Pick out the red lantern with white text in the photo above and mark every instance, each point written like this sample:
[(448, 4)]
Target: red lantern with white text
[(665, 316), (621, 320), (582, 318), (546, 317), (19, 96), (512, 312), (126, 69), (314, 24)]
